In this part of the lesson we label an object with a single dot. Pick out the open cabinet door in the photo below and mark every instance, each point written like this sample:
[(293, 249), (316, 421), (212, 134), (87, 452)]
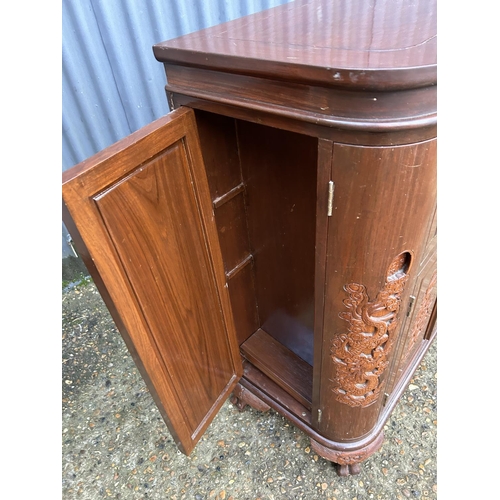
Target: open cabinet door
[(141, 217)]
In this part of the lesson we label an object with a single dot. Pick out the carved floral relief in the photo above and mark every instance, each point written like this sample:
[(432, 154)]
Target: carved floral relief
[(423, 315)]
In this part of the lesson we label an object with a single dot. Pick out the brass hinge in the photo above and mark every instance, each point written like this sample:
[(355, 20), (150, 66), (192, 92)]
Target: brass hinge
[(386, 397), (320, 414), (331, 187)]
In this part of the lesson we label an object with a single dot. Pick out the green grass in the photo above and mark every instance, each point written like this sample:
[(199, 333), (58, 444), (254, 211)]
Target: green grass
[(79, 281)]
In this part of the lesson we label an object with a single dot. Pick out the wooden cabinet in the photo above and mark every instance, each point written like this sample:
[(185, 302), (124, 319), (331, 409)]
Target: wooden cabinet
[(274, 237)]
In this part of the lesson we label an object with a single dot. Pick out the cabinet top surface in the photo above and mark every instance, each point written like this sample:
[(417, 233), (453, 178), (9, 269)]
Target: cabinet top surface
[(358, 43)]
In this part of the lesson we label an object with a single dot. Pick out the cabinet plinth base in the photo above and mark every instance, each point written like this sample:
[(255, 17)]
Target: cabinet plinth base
[(242, 397), (261, 393), (348, 462)]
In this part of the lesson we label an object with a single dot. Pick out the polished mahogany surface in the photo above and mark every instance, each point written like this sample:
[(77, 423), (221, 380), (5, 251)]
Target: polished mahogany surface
[(143, 212), (381, 215), (281, 365), (384, 44)]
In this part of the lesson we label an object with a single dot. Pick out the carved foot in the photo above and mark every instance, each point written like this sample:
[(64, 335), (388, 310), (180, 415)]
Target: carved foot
[(348, 462), (242, 397), (237, 402), (348, 470)]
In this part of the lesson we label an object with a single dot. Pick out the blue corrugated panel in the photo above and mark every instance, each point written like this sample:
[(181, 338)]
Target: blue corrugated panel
[(112, 84)]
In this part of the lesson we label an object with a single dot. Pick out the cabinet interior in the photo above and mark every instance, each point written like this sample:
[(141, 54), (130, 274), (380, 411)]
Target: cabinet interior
[(263, 187)]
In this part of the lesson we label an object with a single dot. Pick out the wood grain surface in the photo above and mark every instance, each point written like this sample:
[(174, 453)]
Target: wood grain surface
[(144, 214), (384, 44), (383, 206), (281, 365)]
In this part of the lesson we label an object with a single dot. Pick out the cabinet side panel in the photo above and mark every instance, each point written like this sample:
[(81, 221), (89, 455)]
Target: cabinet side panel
[(219, 146), (422, 303), (232, 231), (417, 315), (383, 205), (220, 152), (242, 292), (279, 170)]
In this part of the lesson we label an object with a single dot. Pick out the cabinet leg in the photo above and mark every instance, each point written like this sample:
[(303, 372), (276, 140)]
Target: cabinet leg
[(348, 470), (242, 397), (348, 462)]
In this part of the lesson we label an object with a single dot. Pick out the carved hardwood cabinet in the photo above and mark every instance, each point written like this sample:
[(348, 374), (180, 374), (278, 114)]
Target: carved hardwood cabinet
[(273, 238)]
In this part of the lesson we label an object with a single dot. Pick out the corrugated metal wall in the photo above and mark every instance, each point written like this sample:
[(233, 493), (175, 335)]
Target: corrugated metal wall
[(112, 84)]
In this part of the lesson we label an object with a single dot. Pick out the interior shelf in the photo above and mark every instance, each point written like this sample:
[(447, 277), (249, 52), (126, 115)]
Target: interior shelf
[(281, 365)]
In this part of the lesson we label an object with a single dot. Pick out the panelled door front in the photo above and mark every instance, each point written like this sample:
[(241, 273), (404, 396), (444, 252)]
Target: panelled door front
[(141, 216), (382, 208)]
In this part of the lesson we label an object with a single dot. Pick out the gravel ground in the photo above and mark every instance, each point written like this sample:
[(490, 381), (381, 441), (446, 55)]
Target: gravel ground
[(116, 445)]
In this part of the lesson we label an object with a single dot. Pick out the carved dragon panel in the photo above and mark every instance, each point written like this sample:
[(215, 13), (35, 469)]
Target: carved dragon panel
[(360, 355)]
